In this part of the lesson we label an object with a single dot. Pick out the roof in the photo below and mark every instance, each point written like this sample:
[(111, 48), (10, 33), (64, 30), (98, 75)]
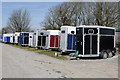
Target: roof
[(53, 32), (95, 26), (67, 26), (24, 32)]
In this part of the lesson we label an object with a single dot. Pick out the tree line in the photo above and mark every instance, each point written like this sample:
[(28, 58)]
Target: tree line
[(68, 13), (75, 14), (19, 21)]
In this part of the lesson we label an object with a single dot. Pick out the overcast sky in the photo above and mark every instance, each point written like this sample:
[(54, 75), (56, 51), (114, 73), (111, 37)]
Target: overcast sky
[(38, 11)]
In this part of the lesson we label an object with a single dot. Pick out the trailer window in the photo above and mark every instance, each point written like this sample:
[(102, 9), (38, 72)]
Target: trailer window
[(63, 31), (107, 31), (41, 33), (72, 32), (90, 30), (34, 33)]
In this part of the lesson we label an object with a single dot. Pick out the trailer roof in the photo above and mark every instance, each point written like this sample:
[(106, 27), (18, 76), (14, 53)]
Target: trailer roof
[(24, 32), (53, 32), (42, 31), (95, 26), (9, 34), (17, 32), (67, 26)]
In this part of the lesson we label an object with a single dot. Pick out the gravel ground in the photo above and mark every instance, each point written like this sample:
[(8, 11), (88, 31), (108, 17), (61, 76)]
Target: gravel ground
[(19, 63)]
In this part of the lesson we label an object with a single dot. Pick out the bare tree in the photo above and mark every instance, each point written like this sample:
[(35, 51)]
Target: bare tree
[(64, 14), (105, 13), (19, 21), (5, 30), (81, 13)]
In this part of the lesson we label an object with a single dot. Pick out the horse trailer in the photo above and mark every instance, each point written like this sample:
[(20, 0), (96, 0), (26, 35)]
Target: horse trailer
[(52, 39), (40, 39), (17, 35), (95, 41), (24, 38), (1, 38), (8, 38), (32, 39), (12, 38), (67, 39)]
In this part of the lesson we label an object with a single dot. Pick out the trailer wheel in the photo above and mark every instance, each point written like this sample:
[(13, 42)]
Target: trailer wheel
[(62, 53), (104, 54), (110, 54), (77, 58)]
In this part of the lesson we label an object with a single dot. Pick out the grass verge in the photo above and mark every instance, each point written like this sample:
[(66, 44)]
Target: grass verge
[(45, 52), (51, 54)]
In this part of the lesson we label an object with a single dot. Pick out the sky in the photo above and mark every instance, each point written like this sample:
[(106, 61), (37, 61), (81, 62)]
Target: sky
[(38, 11)]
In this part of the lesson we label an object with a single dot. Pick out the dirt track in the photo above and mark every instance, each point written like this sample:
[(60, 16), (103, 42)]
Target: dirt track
[(19, 63)]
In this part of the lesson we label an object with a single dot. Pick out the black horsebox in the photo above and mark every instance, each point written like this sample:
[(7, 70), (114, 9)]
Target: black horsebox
[(95, 41)]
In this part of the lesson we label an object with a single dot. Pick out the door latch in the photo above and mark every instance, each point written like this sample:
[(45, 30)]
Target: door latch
[(81, 43)]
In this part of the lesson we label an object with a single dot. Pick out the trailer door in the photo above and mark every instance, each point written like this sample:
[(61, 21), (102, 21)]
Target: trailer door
[(39, 40), (21, 38), (43, 40), (26, 38), (52, 40), (79, 40), (57, 41), (74, 42), (90, 45), (13, 39), (69, 41)]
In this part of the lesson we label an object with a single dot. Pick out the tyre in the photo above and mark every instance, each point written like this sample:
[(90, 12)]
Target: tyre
[(77, 58), (101, 54), (62, 53), (110, 54), (104, 55), (36, 48)]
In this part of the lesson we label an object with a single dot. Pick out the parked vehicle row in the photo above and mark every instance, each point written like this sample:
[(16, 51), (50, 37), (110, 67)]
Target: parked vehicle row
[(85, 41), (1, 37)]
